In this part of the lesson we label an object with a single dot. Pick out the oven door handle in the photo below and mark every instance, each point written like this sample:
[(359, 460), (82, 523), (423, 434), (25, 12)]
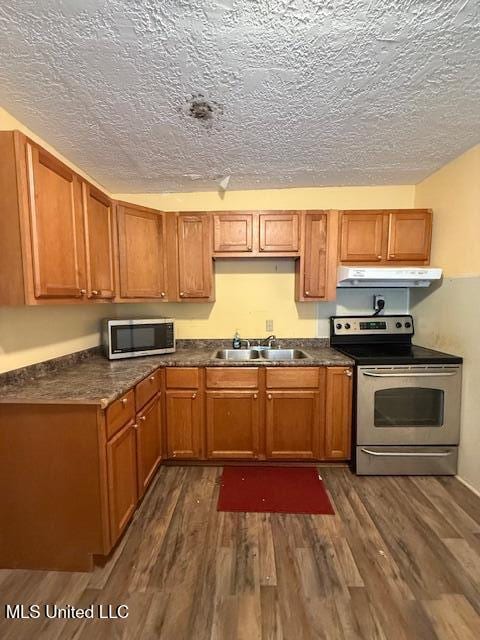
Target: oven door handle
[(409, 375), (412, 454)]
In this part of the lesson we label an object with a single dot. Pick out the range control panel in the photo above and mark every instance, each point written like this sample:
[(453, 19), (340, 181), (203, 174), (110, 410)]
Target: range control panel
[(371, 325)]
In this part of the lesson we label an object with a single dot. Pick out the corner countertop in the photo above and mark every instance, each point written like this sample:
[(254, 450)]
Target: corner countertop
[(93, 379)]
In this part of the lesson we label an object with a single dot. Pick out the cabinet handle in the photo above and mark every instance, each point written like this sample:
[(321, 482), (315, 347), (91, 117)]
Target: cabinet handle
[(249, 248), (83, 291), (181, 294), (261, 248), (307, 293), (143, 418), (392, 255), (269, 396), (255, 396), (174, 454), (348, 373), (95, 293), (152, 378), (124, 401), (194, 395), (162, 295), (379, 257), (135, 425)]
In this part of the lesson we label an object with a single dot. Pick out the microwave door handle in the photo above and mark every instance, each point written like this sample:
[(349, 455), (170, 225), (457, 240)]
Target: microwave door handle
[(411, 454), (409, 375)]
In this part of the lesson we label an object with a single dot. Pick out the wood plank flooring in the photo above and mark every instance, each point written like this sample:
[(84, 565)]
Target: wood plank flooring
[(400, 560)]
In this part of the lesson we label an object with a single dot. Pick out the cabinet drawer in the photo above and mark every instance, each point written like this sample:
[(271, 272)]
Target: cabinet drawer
[(230, 378), (182, 378), (294, 378), (146, 389), (120, 412)]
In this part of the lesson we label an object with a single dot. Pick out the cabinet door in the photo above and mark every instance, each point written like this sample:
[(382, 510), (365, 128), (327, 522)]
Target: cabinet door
[(142, 255), (56, 227), (361, 237), (279, 232), (149, 445), (293, 425), (338, 426), (409, 236), (97, 218), (122, 479), (184, 424), (195, 266), (315, 257), (233, 421), (232, 232)]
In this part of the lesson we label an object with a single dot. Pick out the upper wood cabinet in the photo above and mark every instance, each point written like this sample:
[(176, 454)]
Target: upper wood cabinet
[(232, 232), (98, 224), (316, 269), (361, 237), (385, 236), (42, 252), (55, 226), (141, 252), (195, 266), (409, 236), (279, 232), (338, 414), (238, 234), (56, 241)]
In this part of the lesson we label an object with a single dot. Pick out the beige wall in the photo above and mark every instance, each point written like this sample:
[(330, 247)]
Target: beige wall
[(378, 197), (448, 316), (453, 192)]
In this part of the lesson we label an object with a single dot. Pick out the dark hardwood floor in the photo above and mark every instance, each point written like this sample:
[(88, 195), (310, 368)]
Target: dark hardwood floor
[(400, 560)]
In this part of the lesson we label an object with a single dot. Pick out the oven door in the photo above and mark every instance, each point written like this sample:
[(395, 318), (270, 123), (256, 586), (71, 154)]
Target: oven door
[(403, 405)]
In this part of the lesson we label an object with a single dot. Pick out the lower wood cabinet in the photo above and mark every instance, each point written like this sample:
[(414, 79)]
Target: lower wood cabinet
[(149, 443), (69, 493), (122, 478), (233, 424), (294, 425), (338, 421), (184, 424)]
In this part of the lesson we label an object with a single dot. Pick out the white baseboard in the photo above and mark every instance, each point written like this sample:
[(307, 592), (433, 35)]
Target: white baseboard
[(469, 486)]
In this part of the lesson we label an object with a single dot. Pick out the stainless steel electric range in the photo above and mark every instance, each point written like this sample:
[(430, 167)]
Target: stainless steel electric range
[(407, 398)]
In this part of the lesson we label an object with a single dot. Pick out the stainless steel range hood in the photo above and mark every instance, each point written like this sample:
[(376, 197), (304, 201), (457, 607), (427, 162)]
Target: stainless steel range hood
[(387, 276)]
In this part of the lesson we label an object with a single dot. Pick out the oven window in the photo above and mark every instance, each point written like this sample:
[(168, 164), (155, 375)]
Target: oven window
[(409, 407)]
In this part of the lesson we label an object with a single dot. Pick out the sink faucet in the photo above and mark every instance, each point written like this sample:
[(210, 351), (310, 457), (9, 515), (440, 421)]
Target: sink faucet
[(247, 342), (270, 341)]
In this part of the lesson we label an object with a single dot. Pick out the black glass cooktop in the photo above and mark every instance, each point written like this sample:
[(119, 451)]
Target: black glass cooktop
[(365, 354)]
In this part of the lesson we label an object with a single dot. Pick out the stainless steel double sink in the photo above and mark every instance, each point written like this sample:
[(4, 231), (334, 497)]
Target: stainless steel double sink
[(263, 354)]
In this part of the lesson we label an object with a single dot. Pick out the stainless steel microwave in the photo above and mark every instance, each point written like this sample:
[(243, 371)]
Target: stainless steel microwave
[(138, 337)]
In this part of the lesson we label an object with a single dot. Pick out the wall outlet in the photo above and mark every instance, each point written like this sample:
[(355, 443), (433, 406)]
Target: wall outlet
[(269, 325), (377, 302)]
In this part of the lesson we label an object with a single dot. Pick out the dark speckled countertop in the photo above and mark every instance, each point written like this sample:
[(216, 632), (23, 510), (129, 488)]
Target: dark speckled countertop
[(89, 378)]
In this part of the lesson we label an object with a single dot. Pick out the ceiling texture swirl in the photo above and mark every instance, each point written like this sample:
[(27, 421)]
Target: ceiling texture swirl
[(173, 95)]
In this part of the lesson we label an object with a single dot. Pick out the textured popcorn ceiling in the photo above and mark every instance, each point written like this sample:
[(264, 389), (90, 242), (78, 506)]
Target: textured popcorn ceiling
[(287, 92)]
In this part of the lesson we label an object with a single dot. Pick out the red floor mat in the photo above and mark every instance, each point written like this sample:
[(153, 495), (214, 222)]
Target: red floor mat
[(273, 490)]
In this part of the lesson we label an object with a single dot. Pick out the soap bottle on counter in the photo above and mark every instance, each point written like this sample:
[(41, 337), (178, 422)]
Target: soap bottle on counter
[(236, 342)]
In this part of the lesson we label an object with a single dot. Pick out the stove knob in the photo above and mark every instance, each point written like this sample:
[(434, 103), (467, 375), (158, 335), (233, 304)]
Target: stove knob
[(338, 326), (408, 325), (398, 325), (347, 326)]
